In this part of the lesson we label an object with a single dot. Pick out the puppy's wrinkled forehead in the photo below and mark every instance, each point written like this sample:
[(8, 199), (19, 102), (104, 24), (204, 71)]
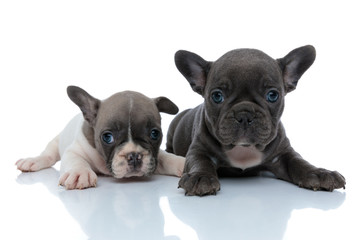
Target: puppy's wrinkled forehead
[(126, 108), (248, 64)]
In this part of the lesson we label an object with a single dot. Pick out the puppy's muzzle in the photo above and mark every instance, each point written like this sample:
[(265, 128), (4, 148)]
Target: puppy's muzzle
[(134, 159), (244, 118)]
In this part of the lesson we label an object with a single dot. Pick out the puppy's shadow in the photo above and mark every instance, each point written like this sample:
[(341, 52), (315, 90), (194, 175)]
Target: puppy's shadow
[(113, 208), (252, 208)]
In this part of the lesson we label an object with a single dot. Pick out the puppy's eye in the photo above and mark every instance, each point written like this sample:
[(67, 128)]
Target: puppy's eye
[(272, 96), (107, 138), (155, 134), (217, 96)]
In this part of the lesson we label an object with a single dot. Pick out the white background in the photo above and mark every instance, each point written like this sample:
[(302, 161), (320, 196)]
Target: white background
[(110, 46)]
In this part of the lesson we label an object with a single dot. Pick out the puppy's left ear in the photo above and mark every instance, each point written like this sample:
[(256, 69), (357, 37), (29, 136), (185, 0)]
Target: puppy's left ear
[(165, 105), (87, 103), (294, 64)]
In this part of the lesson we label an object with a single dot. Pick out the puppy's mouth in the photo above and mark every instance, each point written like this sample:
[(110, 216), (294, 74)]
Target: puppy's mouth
[(133, 160), (259, 147), (232, 134), (124, 167), (245, 144)]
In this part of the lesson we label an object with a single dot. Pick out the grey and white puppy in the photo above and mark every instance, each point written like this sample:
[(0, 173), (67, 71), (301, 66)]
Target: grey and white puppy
[(119, 136), (237, 130)]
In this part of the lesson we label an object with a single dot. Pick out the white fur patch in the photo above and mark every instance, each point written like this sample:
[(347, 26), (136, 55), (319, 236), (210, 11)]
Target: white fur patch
[(244, 157)]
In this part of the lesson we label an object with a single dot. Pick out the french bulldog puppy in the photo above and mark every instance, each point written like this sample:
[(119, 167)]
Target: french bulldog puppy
[(119, 136), (237, 130)]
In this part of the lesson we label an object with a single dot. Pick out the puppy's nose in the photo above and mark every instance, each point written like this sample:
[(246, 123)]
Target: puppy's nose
[(134, 159), (244, 118)]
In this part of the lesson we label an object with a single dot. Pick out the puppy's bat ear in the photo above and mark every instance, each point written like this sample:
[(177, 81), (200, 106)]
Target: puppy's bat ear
[(165, 105), (294, 64), (193, 68), (87, 104)]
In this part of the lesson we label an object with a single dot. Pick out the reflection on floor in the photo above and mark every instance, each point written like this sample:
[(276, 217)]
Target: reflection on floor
[(154, 208)]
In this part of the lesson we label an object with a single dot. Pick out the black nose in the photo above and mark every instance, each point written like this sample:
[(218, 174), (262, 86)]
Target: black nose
[(134, 159), (244, 118)]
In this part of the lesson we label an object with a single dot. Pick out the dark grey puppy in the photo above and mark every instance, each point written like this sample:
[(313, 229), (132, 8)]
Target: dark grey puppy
[(237, 130)]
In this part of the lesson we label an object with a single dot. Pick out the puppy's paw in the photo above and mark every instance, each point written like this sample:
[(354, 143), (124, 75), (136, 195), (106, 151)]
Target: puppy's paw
[(199, 184), (34, 164), (78, 179), (322, 179)]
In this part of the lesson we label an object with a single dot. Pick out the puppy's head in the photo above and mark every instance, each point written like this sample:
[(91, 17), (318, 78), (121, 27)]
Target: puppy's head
[(244, 91), (125, 129)]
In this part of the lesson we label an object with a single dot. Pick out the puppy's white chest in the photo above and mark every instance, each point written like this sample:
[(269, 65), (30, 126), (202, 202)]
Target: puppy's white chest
[(244, 157)]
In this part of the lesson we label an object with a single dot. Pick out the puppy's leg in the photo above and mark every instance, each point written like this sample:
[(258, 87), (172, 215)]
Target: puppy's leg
[(200, 176), (170, 164), (293, 168), (46, 159), (75, 171)]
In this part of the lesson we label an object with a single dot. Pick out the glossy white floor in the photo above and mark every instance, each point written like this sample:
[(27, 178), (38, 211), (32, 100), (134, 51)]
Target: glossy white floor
[(35, 207)]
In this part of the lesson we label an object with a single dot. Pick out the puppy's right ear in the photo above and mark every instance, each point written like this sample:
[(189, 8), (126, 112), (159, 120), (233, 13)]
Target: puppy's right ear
[(194, 68), (87, 104), (166, 105)]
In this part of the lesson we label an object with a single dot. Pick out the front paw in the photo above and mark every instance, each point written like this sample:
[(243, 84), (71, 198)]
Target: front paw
[(78, 179), (199, 184), (34, 164), (322, 179)]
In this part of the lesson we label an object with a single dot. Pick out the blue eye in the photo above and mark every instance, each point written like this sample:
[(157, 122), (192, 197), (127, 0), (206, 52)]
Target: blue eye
[(155, 134), (107, 138), (217, 96), (272, 96)]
